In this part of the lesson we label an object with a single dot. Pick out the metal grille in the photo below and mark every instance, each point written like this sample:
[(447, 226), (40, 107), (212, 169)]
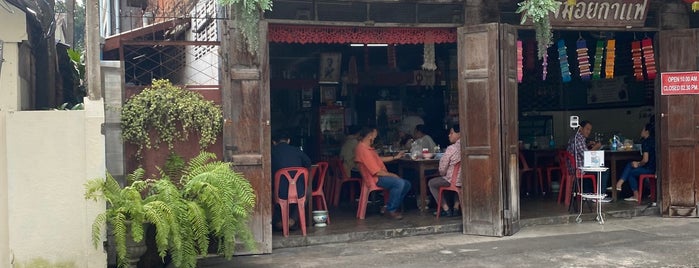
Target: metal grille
[(181, 62)]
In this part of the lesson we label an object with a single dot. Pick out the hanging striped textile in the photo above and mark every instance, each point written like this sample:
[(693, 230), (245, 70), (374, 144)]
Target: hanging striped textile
[(637, 57), (609, 68), (583, 60), (599, 55), (544, 66), (563, 59), (648, 57), (520, 64)]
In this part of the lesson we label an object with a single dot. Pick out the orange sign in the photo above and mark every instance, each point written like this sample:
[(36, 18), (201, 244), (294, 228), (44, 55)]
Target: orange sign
[(679, 83)]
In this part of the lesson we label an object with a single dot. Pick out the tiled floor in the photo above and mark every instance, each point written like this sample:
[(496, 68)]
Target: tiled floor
[(344, 226)]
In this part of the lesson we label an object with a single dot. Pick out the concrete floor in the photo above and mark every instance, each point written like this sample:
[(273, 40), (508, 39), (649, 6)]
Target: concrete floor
[(344, 227)]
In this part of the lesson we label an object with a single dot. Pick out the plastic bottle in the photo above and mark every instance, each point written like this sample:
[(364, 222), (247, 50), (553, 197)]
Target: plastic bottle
[(552, 143), (614, 141)]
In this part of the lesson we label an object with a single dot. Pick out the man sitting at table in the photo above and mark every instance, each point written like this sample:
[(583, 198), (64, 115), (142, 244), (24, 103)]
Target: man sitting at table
[(347, 151), (285, 155), (398, 187), (422, 140), (577, 145), (452, 155), (636, 168)]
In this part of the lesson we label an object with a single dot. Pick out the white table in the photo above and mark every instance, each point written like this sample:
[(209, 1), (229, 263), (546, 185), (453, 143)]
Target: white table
[(592, 196)]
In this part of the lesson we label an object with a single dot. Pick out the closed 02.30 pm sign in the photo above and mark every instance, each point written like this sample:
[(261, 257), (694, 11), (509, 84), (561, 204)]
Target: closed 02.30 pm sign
[(679, 83)]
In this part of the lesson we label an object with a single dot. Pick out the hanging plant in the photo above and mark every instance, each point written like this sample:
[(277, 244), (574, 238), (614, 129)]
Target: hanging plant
[(172, 113), (248, 14), (538, 11)]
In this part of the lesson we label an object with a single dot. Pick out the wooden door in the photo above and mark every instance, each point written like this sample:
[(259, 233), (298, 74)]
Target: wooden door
[(487, 115), (246, 134), (678, 121)]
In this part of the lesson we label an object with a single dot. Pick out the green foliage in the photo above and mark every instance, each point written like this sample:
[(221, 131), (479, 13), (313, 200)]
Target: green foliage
[(248, 14), (78, 22), (538, 11), (172, 112), (212, 201)]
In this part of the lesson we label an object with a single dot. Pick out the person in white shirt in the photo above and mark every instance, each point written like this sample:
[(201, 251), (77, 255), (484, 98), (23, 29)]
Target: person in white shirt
[(422, 140)]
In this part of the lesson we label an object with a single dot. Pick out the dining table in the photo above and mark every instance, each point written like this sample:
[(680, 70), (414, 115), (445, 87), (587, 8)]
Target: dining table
[(421, 166), (613, 157)]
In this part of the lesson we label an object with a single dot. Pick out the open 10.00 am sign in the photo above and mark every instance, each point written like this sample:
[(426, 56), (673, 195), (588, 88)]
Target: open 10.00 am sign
[(679, 83)]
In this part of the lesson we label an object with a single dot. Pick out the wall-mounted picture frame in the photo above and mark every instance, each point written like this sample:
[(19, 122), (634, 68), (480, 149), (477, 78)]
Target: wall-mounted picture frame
[(330, 64), (328, 94)]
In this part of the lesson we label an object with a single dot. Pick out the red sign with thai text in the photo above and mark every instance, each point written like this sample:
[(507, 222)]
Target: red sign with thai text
[(679, 83)]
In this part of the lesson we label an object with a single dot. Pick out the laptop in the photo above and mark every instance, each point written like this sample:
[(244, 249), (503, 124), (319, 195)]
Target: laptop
[(593, 159)]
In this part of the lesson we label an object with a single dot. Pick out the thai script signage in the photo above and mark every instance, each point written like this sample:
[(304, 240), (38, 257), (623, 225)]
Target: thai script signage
[(601, 13), (679, 83)]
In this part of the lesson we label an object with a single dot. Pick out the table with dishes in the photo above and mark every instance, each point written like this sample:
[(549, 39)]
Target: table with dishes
[(421, 165)]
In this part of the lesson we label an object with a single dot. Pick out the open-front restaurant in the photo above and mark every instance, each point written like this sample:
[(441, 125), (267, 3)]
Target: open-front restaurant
[(408, 83), (329, 79)]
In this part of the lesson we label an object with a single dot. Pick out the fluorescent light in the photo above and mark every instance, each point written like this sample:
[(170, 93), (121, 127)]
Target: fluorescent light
[(369, 45)]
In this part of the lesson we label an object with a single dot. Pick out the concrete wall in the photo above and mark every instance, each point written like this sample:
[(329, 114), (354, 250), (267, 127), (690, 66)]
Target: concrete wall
[(45, 159), (12, 31)]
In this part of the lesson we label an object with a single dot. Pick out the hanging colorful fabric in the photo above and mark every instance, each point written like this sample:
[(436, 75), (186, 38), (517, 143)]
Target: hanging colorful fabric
[(563, 58), (648, 57), (636, 56), (519, 62), (609, 68), (583, 59), (599, 54), (544, 66)]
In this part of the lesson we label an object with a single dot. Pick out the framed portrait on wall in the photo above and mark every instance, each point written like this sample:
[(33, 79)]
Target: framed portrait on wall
[(328, 94), (330, 64)]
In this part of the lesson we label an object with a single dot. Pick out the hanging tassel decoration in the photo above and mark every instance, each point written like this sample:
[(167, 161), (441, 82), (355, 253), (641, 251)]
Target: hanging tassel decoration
[(695, 6), (583, 60), (391, 54), (563, 59), (599, 55), (637, 57), (609, 68), (428, 58), (648, 57), (519, 62), (544, 66)]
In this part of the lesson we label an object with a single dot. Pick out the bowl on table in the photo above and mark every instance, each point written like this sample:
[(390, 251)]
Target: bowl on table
[(427, 155)]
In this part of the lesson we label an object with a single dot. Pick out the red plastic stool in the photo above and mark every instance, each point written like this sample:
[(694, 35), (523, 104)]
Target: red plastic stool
[(652, 180)]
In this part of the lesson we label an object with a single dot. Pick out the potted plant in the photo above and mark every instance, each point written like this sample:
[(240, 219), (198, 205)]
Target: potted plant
[(208, 199), (538, 11), (165, 113)]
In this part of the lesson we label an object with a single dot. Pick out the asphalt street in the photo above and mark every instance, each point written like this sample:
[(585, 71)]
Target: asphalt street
[(637, 242)]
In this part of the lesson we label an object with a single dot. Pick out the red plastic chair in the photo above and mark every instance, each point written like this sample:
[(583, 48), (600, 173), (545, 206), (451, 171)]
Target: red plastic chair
[(452, 187), (341, 180), (568, 158), (652, 183), (293, 198), (317, 194), (526, 170), (549, 172), (368, 186)]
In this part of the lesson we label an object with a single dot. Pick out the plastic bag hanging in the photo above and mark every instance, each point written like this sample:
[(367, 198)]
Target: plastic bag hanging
[(563, 58), (599, 55), (609, 68), (428, 57), (649, 57), (519, 62), (583, 59)]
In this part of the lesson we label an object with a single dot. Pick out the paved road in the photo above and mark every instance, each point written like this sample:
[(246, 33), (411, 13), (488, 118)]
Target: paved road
[(637, 242)]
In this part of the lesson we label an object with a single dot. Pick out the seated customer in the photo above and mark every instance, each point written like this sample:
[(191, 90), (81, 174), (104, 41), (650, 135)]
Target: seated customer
[(367, 156), (451, 156), (285, 155), (636, 168), (422, 140), (347, 151)]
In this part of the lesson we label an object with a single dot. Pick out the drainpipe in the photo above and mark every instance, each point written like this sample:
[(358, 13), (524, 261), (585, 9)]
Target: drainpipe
[(117, 21)]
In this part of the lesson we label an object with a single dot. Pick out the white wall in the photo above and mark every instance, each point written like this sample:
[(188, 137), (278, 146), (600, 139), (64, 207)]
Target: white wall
[(47, 157), (12, 31), (627, 121)]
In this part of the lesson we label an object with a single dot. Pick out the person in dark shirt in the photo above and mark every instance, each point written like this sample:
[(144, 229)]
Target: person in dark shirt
[(285, 155), (636, 168)]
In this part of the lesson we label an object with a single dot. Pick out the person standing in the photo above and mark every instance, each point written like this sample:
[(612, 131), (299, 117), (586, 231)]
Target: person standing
[(452, 156), (646, 166), (366, 155), (285, 155)]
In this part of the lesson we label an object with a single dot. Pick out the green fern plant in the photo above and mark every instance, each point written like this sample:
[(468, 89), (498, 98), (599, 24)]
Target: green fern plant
[(538, 11), (208, 200)]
